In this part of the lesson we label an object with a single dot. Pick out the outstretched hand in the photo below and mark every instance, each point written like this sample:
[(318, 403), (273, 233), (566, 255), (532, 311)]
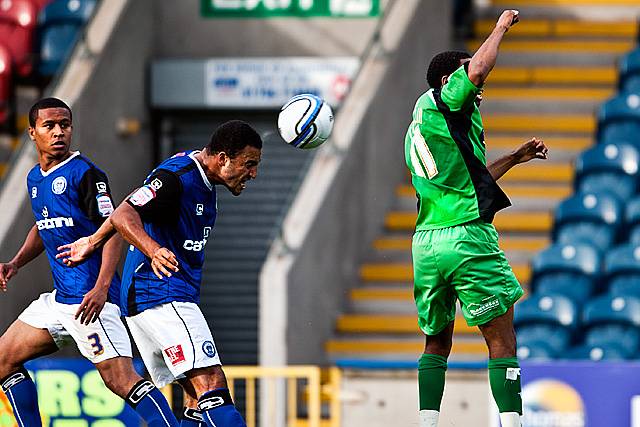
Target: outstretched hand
[(532, 149), (7, 271), (163, 262), (73, 254)]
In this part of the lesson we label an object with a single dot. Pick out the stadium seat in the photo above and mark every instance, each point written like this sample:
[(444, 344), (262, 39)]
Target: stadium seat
[(609, 167), (549, 318), (613, 319), (567, 269), (6, 86), (535, 350), (629, 72), (632, 221), (60, 24), (17, 33), (622, 271), (608, 351), (619, 118), (592, 218)]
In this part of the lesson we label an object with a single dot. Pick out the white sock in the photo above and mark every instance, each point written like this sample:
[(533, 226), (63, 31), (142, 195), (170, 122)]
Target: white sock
[(429, 418), (510, 419)]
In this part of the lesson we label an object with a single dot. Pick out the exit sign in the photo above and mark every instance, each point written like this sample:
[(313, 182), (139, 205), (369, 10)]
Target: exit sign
[(290, 8)]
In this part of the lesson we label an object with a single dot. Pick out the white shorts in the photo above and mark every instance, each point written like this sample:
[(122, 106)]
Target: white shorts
[(103, 339), (173, 338)]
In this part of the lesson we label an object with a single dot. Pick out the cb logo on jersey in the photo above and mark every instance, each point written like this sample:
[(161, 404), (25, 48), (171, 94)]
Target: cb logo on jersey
[(197, 245)]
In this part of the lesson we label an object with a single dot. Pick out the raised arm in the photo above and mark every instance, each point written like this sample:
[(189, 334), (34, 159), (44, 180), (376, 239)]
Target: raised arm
[(532, 149), (30, 249), (485, 57)]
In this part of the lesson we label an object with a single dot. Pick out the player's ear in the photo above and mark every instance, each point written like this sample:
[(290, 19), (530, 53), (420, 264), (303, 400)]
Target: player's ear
[(444, 80), (32, 133)]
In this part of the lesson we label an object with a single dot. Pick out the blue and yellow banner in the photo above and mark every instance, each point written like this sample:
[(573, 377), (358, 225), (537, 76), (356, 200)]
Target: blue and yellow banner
[(71, 393)]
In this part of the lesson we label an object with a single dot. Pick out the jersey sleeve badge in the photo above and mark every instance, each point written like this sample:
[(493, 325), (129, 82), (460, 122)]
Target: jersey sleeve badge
[(142, 195)]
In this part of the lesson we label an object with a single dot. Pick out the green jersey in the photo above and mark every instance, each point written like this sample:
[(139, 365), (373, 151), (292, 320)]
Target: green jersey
[(445, 152)]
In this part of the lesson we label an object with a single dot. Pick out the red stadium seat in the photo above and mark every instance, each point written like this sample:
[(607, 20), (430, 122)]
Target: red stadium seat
[(17, 31), (5, 85), (40, 4)]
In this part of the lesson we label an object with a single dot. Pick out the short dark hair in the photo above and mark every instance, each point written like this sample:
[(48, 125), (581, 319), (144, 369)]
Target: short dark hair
[(232, 136), (443, 64), (43, 104)]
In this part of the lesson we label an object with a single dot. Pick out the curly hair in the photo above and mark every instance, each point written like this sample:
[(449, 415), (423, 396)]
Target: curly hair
[(232, 136), (443, 64)]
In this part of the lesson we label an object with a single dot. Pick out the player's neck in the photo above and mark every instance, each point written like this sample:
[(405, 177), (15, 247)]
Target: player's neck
[(47, 162), (210, 174)]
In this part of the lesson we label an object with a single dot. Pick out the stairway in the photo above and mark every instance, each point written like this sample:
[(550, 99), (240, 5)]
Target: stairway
[(555, 68)]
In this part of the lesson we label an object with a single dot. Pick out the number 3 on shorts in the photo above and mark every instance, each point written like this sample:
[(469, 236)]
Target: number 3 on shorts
[(95, 343)]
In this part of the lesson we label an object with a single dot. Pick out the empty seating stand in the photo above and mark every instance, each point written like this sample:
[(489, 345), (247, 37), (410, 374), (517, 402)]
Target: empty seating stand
[(566, 269), (60, 24), (6, 89), (610, 166), (17, 33), (593, 218)]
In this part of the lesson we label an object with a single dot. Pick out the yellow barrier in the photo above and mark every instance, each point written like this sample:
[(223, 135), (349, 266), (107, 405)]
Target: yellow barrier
[(272, 380)]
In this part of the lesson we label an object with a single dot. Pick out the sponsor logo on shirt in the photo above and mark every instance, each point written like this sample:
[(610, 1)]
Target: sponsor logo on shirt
[(175, 354), (197, 245), (142, 195), (59, 185), (101, 186), (105, 206), (209, 349), (34, 192), (49, 223)]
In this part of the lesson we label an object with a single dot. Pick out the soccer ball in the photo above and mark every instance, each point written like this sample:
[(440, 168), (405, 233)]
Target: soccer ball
[(305, 121)]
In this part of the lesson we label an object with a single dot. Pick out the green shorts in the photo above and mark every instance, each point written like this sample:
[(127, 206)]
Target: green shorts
[(461, 262)]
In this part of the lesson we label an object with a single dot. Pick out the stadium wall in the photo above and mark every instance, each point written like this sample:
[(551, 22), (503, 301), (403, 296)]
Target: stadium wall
[(325, 263)]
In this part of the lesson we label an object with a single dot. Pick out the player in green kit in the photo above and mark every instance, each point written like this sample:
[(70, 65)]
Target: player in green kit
[(455, 246)]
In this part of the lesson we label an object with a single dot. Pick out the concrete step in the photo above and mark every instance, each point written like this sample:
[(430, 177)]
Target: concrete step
[(568, 124), (548, 75), (528, 100), (386, 348), (557, 58), (513, 190), (583, 10), (403, 272), (391, 324), (561, 46), (526, 197), (522, 242), (505, 221), (563, 28)]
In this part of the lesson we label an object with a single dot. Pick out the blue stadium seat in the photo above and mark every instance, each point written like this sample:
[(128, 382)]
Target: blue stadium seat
[(567, 269), (592, 218), (622, 271), (629, 72), (609, 167), (619, 118), (613, 319), (535, 350), (607, 351), (549, 318), (60, 24), (632, 220)]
